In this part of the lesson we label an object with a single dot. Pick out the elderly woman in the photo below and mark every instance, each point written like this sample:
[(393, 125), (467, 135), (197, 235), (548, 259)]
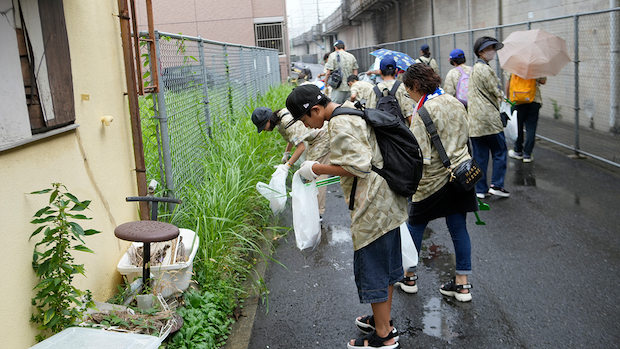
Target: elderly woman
[(437, 196), (485, 124)]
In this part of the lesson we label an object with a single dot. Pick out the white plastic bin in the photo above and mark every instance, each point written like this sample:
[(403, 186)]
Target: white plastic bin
[(90, 338), (167, 279)]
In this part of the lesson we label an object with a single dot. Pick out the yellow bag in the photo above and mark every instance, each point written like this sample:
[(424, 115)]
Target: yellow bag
[(522, 90)]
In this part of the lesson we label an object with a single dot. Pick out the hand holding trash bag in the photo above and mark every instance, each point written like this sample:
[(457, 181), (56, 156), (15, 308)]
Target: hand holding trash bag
[(282, 167), (306, 170)]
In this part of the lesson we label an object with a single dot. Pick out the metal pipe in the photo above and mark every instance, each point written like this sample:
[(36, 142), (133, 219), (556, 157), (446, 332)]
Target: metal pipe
[(162, 116), (134, 107), (614, 71), (136, 40), (154, 68), (609, 162), (576, 22)]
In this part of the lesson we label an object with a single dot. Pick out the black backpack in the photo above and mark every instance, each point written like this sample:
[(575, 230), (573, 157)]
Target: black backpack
[(389, 103), (335, 77), (402, 158)]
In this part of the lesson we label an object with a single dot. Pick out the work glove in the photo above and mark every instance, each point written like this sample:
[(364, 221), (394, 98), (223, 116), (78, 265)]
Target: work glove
[(286, 156), (282, 167), (306, 170)]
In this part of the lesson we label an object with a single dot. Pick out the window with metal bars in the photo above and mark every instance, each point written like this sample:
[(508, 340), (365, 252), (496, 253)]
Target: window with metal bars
[(270, 35)]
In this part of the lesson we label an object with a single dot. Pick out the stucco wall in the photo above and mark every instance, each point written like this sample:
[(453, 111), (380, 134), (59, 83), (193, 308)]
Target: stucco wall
[(94, 162)]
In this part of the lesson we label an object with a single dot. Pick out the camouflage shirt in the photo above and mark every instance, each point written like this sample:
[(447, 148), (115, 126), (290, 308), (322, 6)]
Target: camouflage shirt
[(318, 146), (430, 62), (348, 63), (483, 112), (450, 118), (362, 90), (452, 79), (406, 104), (378, 209), (295, 134)]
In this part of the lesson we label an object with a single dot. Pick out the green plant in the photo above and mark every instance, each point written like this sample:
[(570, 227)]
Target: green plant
[(206, 320), (556, 109), (57, 301)]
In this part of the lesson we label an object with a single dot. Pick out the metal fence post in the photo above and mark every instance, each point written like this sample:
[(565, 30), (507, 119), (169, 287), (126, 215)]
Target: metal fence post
[(163, 126), (497, 66), (228, 92), (576, 146), (205, 87), (439, 53)]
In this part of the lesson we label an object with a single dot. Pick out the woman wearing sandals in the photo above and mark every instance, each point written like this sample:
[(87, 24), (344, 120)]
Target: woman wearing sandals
[(437, 196)]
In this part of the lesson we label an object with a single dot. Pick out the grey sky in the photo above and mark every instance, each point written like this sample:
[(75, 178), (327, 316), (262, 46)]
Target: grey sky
[(302, 14)]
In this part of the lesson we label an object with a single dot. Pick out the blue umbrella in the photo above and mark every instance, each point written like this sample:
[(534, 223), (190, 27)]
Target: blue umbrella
[(403, 61)]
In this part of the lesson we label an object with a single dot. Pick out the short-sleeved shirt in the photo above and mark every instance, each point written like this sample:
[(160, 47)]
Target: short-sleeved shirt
[(406, 104), (295, 134), (450, 118), (348, 63), (362, 90), (483, 98), (430, 62), (318, 146), (452, 79), (378, 209)]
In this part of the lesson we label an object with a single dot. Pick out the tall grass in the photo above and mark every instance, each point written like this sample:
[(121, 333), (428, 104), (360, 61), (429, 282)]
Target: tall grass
[(231, 218)]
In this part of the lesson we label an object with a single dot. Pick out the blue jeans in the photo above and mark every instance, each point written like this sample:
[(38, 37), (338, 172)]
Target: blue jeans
[(496, 144), (527, 115), (457, 226)]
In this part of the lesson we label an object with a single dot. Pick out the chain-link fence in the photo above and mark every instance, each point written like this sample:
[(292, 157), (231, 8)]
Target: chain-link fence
[(202, 83), (580, 105)]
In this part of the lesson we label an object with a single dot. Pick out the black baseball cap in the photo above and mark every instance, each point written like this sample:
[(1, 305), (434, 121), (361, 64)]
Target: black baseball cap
[(302, 99), (260, 116)]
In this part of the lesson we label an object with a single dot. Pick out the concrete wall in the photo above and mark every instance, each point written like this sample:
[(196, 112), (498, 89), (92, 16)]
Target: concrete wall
[(94, 161)]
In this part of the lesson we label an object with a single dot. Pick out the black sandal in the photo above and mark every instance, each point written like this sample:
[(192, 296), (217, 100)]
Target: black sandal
[(367, 324), (407, 287), (374, 341), (451, 289)]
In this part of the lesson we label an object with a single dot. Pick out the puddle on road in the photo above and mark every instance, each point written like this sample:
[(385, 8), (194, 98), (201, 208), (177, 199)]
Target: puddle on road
[(336, 234), (438, 314), (436, 322)]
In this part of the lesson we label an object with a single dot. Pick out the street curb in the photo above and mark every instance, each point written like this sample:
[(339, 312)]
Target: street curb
[(241, 330)]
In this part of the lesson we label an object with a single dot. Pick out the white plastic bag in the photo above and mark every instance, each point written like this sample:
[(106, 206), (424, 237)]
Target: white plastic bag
[(410, 253), (275, 192), (306, 221), (510, 131)]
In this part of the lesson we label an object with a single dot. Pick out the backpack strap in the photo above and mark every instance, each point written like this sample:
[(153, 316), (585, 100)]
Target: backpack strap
[(432, 131), (378, 93), (460, 69), (350, 111), (395, 88)]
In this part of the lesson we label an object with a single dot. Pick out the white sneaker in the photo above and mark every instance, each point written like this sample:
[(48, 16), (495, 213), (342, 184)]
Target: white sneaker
[(501, 192), (480, 195), (513, 154), (528, 158)]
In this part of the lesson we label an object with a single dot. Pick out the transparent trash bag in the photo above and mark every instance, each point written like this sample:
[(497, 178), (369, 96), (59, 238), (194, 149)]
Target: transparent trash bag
[(306, 221), (410, 253), (275, 191)]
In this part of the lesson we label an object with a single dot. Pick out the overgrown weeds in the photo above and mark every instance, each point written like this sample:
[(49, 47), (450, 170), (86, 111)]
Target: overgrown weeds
[(232, 220)]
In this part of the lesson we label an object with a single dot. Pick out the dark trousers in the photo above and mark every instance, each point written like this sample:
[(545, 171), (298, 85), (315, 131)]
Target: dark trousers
[(527, 115)]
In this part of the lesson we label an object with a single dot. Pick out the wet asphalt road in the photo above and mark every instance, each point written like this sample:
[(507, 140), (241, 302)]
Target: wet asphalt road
[(545, 271)]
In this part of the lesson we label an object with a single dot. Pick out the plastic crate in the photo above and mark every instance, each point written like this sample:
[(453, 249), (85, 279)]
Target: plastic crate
[(90, 338), (167, 279)]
